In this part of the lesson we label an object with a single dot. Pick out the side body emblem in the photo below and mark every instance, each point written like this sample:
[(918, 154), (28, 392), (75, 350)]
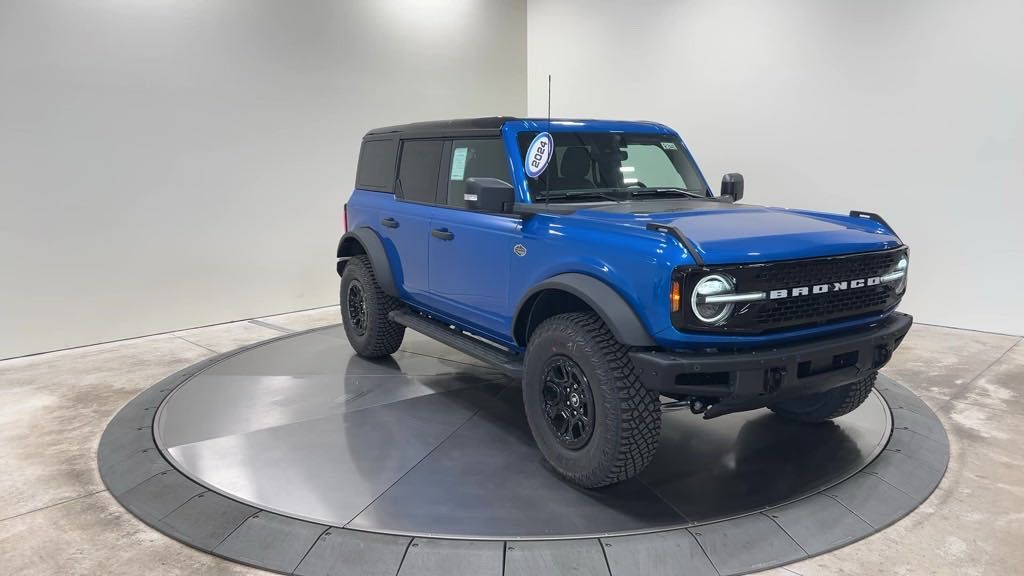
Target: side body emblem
[(519, 249)]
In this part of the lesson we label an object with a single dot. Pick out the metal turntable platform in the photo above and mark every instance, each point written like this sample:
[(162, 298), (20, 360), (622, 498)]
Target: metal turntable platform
[(298, 456)]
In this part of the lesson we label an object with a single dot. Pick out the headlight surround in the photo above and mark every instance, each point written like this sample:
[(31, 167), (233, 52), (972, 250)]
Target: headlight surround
[(898, 275), (903, 266), (712, 285)]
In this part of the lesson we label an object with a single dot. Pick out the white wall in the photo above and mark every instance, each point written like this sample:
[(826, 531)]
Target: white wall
[(173, 163), (913, 109)]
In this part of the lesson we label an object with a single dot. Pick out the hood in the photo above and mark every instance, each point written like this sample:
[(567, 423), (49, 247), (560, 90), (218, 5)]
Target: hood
[(741, 234)]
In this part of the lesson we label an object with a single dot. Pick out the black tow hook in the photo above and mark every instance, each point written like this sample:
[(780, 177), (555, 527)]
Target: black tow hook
[(773, 378), (882, 355), (700, 405)]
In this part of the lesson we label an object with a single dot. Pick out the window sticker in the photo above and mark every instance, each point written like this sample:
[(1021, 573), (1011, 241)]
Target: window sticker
[(538, 155), (459, 163), (669, 145)]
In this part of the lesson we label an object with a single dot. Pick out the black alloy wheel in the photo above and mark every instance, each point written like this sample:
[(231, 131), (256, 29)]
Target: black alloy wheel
[(357, 307), (568, 403)]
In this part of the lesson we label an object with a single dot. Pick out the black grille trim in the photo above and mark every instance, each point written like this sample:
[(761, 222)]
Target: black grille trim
[(800, 311)]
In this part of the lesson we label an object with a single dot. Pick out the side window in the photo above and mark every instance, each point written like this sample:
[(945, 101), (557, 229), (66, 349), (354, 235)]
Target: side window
[(418, 170), (478, 158), (376, 170)]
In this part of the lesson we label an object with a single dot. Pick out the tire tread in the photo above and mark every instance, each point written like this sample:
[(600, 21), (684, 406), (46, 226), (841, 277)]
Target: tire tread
[(387, 334), (838, 402), (640, 411)]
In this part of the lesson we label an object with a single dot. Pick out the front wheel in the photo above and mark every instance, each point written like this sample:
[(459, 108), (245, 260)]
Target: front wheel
[(827, 405), (591, 417)]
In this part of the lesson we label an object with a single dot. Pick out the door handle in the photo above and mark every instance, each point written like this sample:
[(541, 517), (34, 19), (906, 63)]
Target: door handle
[(442, 234), (389, 223)]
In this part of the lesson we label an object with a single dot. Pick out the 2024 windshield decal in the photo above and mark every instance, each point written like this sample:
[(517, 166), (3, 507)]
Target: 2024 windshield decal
[(538, 154)]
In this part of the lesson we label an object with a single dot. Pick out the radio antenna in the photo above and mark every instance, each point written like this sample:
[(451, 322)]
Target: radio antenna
[(547, 175), (549, 101)]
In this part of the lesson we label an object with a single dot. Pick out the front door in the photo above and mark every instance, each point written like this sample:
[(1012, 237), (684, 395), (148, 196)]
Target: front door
[(470, 253)]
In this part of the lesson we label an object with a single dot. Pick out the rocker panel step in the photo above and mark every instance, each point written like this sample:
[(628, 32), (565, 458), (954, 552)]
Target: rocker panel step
[(510, 364)]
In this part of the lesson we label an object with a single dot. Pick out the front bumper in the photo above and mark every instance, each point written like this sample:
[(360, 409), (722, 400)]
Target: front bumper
[(749, 379)]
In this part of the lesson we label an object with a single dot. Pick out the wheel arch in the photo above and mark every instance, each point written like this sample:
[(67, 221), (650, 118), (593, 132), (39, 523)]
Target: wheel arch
[(366, 241), (573, 292)]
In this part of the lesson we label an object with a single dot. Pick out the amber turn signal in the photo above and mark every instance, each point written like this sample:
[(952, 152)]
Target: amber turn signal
[(674, 297)]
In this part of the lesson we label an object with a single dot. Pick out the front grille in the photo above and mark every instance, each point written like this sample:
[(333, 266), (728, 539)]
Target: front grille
[(825, 270), (819, 306), (800, 311)]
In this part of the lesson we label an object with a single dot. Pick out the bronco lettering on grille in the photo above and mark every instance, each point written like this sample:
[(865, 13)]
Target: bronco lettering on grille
[(824, 288)]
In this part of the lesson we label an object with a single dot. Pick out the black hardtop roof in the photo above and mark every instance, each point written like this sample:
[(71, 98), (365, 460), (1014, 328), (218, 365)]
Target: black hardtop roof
[(460, 126), (486, 126)]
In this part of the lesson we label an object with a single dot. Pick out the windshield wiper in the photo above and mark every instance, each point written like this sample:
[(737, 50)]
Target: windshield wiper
[(580, 194), (612, 194), (680, 191)]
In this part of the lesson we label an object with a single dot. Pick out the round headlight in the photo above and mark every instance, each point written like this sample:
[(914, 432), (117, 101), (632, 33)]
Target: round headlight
[(712, 285)]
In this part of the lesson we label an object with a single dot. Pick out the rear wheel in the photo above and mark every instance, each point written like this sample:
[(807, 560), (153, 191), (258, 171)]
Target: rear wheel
[(590, 416), (829, 404), (364, 311)]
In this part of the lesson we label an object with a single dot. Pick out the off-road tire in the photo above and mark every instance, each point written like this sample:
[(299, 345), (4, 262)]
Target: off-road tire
[(627, 416), (827, 405), (381, 336)]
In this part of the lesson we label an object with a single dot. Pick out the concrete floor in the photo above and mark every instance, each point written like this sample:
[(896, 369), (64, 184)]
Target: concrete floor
[(56, 517)]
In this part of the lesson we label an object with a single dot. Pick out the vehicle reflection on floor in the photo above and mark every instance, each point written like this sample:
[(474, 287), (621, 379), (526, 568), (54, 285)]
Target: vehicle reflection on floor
[(418, 444)]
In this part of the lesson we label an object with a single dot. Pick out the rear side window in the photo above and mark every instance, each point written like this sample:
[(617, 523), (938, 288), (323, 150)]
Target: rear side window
[(418, 171), (482, 158), (376, 169)]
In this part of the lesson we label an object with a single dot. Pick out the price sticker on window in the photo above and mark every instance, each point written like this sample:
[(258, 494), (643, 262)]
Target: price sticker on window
[(459, 164)]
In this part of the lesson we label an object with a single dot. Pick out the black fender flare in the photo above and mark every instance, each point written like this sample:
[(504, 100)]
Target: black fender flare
[(366, 241), (617, 314)]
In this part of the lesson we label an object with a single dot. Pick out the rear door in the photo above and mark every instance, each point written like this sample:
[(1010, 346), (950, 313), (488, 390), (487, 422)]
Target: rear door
[(470, 252), (407, 225)]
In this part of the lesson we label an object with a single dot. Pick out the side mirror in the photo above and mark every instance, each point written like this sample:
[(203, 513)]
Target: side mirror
[(732, 187), (489, 195)]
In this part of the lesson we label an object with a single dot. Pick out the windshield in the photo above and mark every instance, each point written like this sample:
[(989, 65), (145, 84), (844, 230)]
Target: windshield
[(589, 166)]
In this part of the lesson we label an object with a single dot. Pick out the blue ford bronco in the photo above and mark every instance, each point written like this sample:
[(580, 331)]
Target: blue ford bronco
[(591, 260)]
